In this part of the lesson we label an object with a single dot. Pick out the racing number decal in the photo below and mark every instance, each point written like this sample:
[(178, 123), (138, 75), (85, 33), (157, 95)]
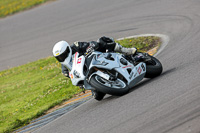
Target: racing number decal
[(139, 70), (79, 60)]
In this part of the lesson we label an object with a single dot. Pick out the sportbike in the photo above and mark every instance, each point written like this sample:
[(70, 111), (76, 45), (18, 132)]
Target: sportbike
[(112, 73)]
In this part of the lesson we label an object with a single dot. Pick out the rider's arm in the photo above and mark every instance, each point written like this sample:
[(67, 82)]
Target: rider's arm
[(101, 45), (65, 71), (82, 47)]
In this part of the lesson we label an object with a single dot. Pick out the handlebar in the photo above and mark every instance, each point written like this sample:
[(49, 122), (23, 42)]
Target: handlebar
[(88, 54)]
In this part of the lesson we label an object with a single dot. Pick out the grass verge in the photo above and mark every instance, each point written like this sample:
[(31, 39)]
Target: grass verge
[(8, 7), (28, 91), (143, 44)]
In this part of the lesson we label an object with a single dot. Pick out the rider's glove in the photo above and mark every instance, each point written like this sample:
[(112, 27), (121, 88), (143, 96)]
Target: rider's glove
[(66, 75), (65, 71), (92, 47)]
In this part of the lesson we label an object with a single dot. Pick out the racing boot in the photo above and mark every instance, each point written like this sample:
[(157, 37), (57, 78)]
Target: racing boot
[(126, 51)]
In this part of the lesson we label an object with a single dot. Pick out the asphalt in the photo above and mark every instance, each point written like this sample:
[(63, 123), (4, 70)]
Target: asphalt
[(166, 104)]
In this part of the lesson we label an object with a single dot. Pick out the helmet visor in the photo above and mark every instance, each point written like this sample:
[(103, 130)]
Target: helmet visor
[(63, 56)]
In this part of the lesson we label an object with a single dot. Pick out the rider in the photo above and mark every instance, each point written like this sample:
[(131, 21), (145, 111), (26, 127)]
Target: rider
[(63, 52)]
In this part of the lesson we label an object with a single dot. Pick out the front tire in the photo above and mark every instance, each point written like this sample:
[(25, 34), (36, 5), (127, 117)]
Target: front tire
[(118, 89), (153, 68), (98, 95)]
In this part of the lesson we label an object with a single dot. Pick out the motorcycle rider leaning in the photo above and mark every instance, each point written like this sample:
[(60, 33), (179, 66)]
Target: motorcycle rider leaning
[(63, 52)]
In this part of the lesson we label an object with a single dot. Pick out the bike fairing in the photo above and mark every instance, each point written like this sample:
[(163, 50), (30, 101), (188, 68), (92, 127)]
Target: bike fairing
[(110, 75)]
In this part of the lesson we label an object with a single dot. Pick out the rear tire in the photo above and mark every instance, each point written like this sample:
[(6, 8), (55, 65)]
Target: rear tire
[(153, 68)]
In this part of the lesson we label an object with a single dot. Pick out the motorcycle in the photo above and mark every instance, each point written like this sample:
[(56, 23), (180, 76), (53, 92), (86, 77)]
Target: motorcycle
[(112, 73)]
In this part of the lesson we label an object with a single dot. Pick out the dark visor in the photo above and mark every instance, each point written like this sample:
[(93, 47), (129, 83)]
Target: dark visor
[(64, 55)]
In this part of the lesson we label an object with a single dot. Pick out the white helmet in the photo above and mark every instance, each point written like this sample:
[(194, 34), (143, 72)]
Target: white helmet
[(63, 53)]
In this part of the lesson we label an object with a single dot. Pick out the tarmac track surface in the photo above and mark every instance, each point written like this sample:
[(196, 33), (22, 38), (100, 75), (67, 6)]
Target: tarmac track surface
[(166, 104)]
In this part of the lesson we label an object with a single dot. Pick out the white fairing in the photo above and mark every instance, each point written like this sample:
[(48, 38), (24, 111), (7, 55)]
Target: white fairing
[(132, 74), (76, 74)]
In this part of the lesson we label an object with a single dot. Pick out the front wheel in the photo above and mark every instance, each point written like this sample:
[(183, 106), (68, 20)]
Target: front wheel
[(98, 95), (153, 68), (117, 87)]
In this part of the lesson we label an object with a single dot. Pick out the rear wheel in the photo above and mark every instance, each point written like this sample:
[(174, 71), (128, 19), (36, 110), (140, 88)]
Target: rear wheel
[(153, 68), (116, 87)]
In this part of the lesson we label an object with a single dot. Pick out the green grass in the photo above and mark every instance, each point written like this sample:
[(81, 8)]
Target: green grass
[(27, 91), (143, 44), (8, 7)]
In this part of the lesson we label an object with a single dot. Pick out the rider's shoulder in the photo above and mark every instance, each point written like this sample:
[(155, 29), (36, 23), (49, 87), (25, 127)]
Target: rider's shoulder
[(76, 43)]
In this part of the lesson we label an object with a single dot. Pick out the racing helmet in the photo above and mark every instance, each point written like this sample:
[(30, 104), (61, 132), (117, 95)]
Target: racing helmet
[(63, 53)]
